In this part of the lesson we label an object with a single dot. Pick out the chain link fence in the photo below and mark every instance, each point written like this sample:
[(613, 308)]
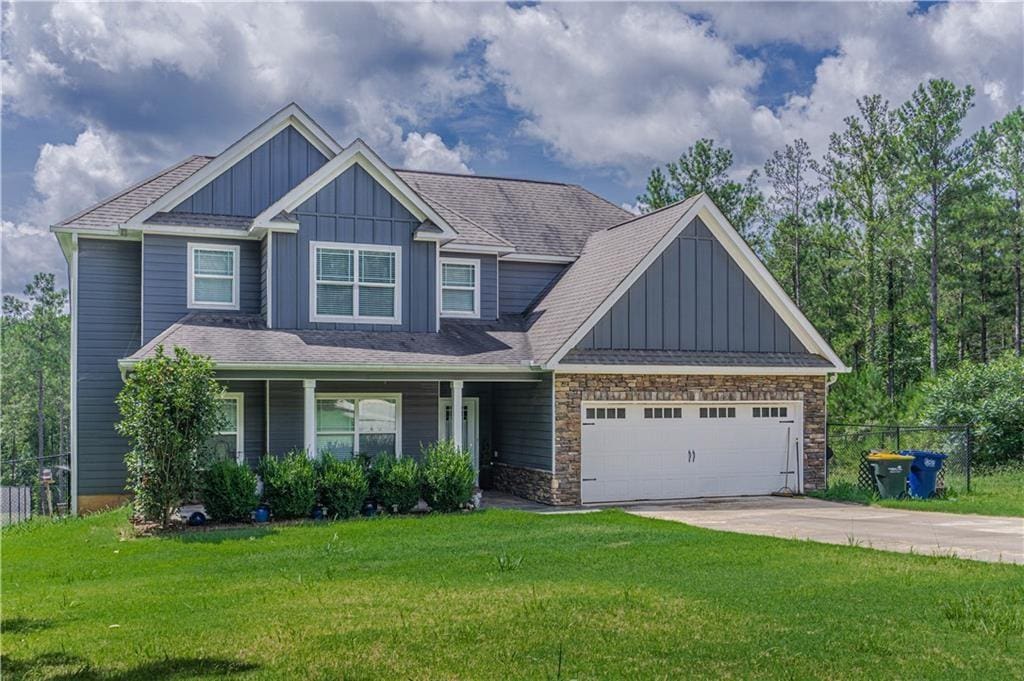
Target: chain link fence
[(33, 486), (848, 445)]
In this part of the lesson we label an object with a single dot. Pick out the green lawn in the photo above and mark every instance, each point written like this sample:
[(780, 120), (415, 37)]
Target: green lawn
[(999, 492), (494, 595)]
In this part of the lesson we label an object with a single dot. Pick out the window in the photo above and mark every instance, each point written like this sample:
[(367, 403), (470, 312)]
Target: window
[(663, 412), (213, 276), (770, 412), (353, 283), (350, 425), (229, 442), (460, 287), (606, 412), (718, 412)]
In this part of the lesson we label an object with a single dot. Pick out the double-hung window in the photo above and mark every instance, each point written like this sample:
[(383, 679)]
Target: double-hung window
[(350, 425), (460, 287), (213, 276), (355, 283), (229, 442)]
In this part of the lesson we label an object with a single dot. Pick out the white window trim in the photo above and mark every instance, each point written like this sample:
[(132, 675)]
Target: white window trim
[(192, 302), (356, 397), (475, 264), (355, 316), (239, 424)]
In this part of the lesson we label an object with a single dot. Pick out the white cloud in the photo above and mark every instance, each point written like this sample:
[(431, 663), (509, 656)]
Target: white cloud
[(27, 249), (429, 152)]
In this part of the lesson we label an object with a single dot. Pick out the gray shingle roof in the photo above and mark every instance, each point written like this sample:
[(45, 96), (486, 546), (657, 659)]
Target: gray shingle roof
[(201, 220), (698, 358), (540, 218), (120, 207), (607, 258), (232, 338)]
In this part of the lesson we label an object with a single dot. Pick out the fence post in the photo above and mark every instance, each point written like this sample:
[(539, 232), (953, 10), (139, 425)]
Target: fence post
[(970, 446)]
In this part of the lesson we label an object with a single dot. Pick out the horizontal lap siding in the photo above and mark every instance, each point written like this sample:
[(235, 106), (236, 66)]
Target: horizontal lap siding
[(522, 428), (254, 411), (522, 283), (258, 180), (353, 208), (108, 329), (419, 411), (165, 281), (488, 268), (693, 297)]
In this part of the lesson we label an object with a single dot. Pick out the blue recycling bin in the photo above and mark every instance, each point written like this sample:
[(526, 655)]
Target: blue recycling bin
[(923, 472)]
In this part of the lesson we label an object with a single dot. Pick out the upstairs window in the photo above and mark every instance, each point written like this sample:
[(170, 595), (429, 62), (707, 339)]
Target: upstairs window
[(213, 276), (355, 283), (460, 287)]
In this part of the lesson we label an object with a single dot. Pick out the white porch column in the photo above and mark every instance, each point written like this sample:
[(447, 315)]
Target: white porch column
[(457, 414), (309, 416)]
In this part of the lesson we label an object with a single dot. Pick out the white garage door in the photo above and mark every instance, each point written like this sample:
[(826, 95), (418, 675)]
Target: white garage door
[(662, 450)]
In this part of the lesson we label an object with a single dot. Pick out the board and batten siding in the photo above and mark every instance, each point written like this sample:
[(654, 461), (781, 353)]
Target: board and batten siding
[(522, 283), (694, 296), (165, 279), (108, 313), (353, 208), (523, 423), (259, 179), (488, 269)]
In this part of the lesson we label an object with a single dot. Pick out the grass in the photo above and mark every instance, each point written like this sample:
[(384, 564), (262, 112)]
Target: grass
[(998, 492), (498, 594)]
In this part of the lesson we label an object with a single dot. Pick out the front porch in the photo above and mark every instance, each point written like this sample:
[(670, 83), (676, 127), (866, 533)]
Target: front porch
[(507, 421)]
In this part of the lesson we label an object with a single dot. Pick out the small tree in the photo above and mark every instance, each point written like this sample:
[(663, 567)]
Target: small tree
[(169, 411)]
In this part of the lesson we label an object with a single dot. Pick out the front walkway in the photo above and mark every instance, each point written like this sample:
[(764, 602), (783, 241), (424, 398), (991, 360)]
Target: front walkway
[(986, 538)]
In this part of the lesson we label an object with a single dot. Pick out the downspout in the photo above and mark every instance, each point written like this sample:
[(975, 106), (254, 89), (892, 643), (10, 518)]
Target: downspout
[(829, 381)]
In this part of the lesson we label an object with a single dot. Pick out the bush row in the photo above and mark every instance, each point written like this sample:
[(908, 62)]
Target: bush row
[(294, 485)]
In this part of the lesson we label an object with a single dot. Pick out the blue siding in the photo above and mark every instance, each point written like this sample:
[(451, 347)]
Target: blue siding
[(419, 411), (522, 427), (254, 414), (488, 269), (353, 208), (108, 329), (259, 179), (693, 297), (165, 280), (522, 283)]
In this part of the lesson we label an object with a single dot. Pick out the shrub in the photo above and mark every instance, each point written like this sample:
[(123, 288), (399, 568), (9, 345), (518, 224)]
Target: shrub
[(343, 486), (228, 491), (989, 397), (398, 482), (289, 484), (448, 476), (169, 411)]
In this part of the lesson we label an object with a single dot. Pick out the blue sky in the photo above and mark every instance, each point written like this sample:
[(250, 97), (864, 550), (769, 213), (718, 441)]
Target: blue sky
[(98, 96)]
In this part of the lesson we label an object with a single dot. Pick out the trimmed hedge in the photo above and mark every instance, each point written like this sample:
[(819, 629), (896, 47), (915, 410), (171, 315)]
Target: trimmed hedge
[(448, 476), (228, 491), (289, 484), (343, 487)]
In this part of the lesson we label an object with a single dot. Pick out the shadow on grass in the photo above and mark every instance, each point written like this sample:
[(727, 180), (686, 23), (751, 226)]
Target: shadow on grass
[(61, 666), (221, 535), (23, 625)]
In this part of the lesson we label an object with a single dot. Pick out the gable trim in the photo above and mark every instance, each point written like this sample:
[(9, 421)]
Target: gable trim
[(291, 115), (688, 370), (741, 253), (356, 153)]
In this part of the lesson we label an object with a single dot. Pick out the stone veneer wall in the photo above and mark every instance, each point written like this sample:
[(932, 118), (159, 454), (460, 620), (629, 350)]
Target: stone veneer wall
[(529, 483), (573, 389)]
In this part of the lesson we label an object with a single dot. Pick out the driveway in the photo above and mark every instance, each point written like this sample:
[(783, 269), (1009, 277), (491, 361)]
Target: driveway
[(988, 538)]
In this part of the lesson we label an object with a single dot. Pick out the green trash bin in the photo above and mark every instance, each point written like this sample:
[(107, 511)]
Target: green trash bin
[(890, 472)]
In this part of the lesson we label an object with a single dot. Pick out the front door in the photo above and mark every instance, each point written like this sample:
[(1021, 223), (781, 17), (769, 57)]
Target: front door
[(470, 429)]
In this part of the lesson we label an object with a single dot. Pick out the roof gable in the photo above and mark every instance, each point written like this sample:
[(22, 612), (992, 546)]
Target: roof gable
[(358, 153), (290, 116), (694, 297), (257, 179), (614, 260)]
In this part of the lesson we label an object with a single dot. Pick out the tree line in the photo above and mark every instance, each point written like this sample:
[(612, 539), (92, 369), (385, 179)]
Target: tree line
[(901, 241)]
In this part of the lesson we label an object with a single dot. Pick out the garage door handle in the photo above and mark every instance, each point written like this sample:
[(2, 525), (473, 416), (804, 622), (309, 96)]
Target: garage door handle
[(589, 479)]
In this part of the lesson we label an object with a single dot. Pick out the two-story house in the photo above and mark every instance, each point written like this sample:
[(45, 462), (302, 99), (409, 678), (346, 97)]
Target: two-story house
[(590, 355)]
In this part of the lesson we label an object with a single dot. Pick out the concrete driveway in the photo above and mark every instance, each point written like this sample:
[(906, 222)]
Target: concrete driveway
[(988, 538)]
